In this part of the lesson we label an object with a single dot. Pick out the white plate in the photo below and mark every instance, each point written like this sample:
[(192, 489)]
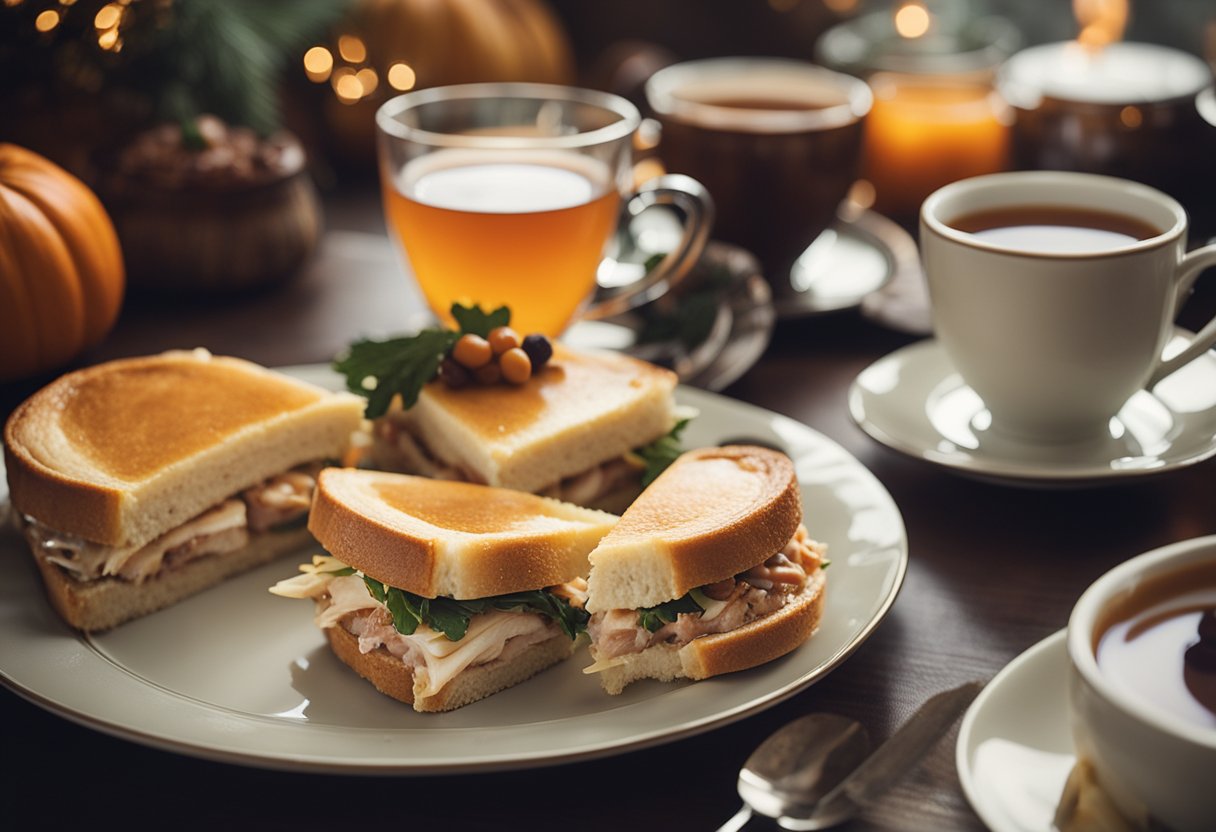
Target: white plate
[(1014, 748), (913, 401), (238, 675)]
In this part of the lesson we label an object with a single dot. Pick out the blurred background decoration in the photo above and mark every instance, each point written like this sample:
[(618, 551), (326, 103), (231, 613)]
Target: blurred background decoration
[(171, 110), (61, 270), (382, 48), (206, 123)]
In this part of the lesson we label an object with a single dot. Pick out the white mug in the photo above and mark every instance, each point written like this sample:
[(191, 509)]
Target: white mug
[(1056, 343), (1154, 765)]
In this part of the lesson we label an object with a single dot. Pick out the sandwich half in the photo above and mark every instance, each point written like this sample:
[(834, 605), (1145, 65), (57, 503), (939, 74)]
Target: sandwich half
[(141, 481), (441, 593), (710, 571), (569, 432)]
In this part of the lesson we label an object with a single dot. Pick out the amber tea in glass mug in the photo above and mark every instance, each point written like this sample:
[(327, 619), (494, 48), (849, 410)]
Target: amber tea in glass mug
[(508, 194)]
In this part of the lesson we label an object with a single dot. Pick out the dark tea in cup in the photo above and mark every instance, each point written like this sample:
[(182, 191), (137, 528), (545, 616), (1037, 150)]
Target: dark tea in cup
[(1158, 643), (1057, 229), (777, 143)]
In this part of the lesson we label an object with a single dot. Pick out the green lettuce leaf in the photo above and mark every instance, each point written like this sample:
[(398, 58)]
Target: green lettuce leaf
[(653, 618)]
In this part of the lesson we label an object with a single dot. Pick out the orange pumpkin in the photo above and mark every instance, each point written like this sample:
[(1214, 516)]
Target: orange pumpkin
[(61, 269), (446, 42)]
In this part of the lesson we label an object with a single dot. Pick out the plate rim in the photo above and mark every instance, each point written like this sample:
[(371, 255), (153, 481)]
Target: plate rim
[(285, 760)]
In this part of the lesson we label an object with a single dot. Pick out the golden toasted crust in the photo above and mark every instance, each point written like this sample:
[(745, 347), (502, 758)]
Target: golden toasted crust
[(761, 640), (581, 410), (714, 513), (436, 537), (394, 678), (751, 645), (121, 452), (107, 602)]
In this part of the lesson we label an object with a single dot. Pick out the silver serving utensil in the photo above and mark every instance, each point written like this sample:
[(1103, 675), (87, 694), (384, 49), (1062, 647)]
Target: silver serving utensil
[(815, 773)]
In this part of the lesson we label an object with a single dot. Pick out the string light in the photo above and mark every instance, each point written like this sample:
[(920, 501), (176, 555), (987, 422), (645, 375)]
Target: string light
[(47, 20), (318, 63), (108, 16), (912, 20), (108, 39), (352, 49), (346, 85), (368, 80), (402, 77)]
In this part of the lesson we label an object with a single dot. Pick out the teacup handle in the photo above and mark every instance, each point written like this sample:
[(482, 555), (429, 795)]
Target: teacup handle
[(692, 198), (1188, 271)]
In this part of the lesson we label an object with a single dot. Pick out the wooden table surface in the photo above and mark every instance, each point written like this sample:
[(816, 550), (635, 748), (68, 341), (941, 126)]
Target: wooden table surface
[(993, 569)]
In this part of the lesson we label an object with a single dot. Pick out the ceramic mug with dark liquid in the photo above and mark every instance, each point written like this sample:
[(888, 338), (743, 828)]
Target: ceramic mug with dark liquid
[(1054, 295), (1142, 650), (777, 142)]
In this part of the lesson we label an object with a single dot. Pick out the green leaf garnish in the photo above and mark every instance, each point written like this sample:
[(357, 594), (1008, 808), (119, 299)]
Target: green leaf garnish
[(573, 620), (661, 452), (691, 320), (653, 618), (451, 617), (380, 370), (471, 319)]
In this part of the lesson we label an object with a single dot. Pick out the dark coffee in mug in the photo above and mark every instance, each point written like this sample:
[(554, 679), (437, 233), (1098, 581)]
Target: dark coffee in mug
[(1055, 229), (1158, 643), (776, 142)]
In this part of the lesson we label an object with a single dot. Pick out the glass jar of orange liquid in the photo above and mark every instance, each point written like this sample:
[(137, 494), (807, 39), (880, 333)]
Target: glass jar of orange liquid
[(509, 194)]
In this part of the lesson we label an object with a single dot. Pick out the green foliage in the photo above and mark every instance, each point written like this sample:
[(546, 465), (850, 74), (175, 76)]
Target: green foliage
[(181, 59), (660, 453), (653, 618), (451, 617), (403, 365)]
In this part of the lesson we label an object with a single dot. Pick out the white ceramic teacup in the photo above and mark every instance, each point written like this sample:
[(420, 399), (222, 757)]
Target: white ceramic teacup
[(1157, 766), (1056, 343)]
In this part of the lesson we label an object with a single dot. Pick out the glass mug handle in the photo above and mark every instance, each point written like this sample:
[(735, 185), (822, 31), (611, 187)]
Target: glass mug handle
[(697, 206), (1188, 272)]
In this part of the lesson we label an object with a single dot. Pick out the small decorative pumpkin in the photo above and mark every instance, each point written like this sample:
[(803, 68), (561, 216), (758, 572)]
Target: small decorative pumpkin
[(61, 269), (437, 42)]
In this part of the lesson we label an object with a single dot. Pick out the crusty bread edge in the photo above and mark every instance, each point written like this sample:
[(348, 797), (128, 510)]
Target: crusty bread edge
[(105, 511), (676, 566), (344, 523), (755, 643), (392, 677), (93, 606)]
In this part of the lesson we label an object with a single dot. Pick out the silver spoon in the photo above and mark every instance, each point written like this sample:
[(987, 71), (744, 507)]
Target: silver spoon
[(816, 771)]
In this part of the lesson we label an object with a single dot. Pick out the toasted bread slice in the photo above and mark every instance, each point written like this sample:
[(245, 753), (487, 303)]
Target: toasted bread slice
[(582, 409), (460, 540), (751, 645), (121, 452), (394, 678), (714, 513)]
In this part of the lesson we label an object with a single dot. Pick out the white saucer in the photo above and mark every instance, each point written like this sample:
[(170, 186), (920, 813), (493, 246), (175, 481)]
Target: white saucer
[(1015, 748), (914, 402)]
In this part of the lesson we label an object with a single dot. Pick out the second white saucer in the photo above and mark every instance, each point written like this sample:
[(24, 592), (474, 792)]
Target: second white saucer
[(1015, 747), (914, 402)]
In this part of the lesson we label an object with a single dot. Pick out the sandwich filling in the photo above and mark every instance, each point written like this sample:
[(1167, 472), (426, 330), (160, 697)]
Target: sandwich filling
[(271, 504), (435, 638), (395, 447), (714, 608)]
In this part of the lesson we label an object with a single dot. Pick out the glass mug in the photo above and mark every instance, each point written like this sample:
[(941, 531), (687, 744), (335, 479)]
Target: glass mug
[(509, 194)]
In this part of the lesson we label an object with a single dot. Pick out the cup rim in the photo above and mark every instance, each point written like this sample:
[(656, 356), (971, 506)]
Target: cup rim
[(630, 117), (661, 97), (932, 205), (1084, 618)]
